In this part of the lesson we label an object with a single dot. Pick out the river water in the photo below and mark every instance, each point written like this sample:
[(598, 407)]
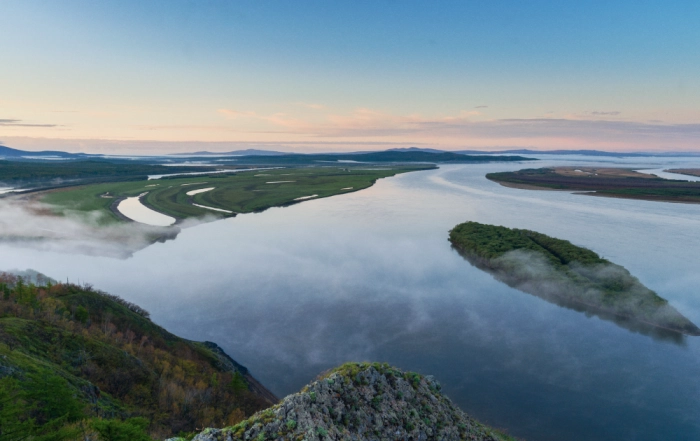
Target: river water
[(370, 275)]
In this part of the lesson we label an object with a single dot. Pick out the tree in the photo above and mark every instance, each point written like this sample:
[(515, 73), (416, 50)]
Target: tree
[(133, 429), (15, 425)]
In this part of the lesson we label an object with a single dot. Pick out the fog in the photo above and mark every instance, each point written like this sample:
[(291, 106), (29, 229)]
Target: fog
[(30, 224)]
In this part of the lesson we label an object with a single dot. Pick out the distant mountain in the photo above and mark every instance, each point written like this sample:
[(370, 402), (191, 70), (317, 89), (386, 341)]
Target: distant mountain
[(417, 149), (9, 152), (382, 156), (246, 152)]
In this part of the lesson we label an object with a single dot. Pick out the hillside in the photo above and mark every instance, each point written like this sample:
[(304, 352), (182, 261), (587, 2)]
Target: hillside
[(379, 157), (559, 271), (361, 401), (76, 361)]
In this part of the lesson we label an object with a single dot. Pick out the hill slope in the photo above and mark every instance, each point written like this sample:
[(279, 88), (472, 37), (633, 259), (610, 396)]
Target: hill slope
[(361, 401), (66, 346)]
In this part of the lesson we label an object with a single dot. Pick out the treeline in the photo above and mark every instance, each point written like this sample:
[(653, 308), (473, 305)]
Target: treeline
[(77, 362), (15, 172), (492, 241)]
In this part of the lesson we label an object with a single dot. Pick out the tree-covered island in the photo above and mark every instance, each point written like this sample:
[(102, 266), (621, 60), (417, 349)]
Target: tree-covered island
[(564, 273)]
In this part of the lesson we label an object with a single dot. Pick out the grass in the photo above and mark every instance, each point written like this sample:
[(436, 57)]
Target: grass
[(242, 192), (624, 185)]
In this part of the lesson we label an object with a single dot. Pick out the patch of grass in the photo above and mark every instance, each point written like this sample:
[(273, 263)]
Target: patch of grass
[(242, 192)]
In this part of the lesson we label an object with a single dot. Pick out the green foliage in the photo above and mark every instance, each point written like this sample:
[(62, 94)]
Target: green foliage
[(53, 398), (15, 422), (133, 429), (491, 241), (81, 314), (238, 383), (41, 410), (106, 358)]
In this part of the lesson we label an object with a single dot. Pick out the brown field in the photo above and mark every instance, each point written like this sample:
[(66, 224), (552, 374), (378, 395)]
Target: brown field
[(685, 171), (602, 181)]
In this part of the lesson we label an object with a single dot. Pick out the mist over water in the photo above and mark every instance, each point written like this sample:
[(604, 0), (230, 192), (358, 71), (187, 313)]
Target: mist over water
[(371, 276)]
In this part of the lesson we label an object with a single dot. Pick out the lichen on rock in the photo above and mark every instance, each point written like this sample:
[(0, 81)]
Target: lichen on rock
[(361, 401)]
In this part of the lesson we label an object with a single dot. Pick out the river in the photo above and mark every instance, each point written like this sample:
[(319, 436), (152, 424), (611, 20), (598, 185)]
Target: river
[(370, 275)]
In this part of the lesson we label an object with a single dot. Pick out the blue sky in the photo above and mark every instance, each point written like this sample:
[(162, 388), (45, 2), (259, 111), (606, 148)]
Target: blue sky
[(311, 75)]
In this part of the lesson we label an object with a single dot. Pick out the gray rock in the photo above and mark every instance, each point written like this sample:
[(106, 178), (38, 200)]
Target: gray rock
[(358, 402)]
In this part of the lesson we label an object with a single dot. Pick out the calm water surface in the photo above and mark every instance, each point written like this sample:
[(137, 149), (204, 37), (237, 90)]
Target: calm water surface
[(371, 276)]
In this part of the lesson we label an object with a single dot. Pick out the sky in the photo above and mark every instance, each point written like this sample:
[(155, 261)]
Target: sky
[(310, 76)]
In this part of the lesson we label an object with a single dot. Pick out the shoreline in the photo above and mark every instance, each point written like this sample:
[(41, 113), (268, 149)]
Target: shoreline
[(593, 193)]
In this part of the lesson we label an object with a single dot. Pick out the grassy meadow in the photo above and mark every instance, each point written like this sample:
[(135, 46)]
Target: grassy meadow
[(241, 192)]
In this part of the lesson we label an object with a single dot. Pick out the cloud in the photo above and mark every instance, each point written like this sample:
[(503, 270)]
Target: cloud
[(19, 123), (313, 106), (610, 113), (234, 114), (480, 107)]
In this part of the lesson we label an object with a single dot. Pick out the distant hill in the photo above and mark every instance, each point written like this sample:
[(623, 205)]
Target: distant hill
[(9, 152), (395, 156), (246, 152)]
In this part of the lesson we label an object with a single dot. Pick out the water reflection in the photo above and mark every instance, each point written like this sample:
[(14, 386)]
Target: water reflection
[(551, 292)]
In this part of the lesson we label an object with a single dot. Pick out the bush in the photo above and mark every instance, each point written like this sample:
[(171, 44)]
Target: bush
[(133, 429)]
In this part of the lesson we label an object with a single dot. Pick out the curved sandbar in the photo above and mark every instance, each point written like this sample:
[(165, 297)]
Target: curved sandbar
[(133, 209), (563, 273), (199, 190)]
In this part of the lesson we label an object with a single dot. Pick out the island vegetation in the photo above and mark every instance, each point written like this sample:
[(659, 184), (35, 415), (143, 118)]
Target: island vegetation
[(78, 363), (685, 171), (559, 271), (611, 182), (222, 194)]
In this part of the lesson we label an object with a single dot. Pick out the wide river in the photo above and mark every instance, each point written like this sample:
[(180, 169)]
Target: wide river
[(370, 275)]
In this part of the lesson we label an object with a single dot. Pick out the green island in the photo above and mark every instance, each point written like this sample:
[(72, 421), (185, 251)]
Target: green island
[(225, 194), (77, 363), (610, 182), (566, 274)]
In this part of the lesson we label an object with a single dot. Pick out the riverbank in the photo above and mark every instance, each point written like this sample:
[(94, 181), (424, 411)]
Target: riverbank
[(227, 195), (602, 181)]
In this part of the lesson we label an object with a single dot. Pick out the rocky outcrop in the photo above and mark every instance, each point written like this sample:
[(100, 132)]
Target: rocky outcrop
[(361, 401)]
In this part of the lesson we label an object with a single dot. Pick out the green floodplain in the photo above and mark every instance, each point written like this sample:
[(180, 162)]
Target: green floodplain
[(566, 274), (234, 193), (611, 182)]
